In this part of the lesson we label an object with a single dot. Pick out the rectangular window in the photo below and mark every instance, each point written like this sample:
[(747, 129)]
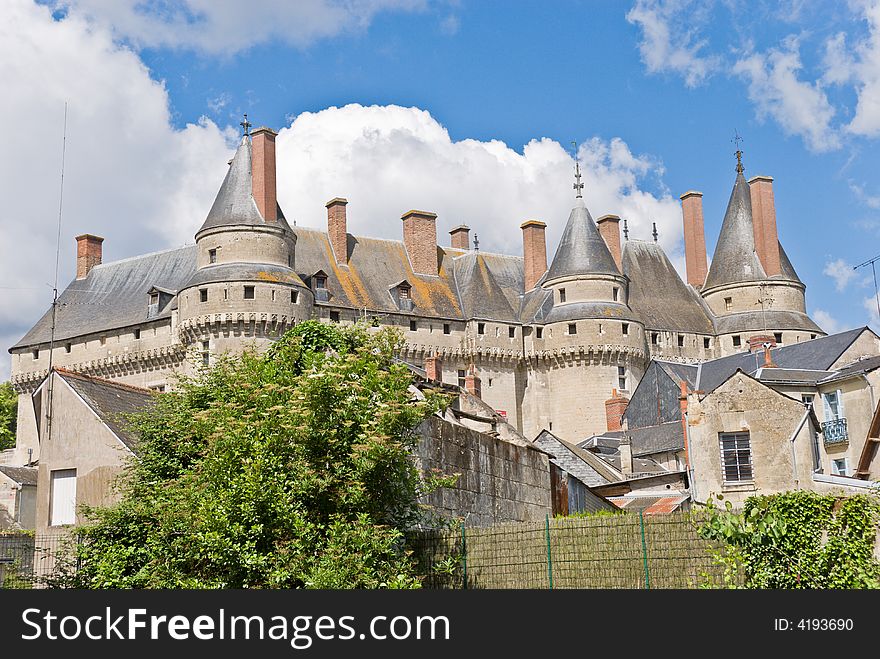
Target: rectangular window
[(35, 354), (320, 281), (68, 346), (539, 332), (212, 256), (778, 337), (273, 295), (615, 293), (412, 326), (447, 329), (62, 497), (511, 332), (137, 334), (655, 338), (562, 295), (833, 408), (203, 295), (728, 303), (736, 456), (737, 341), (403, 293), (103, 340), (461, 375), (294, 297), (225, 293), (206, 354), (707, 342), (334, 316), (840, 467), (621, 377), (248, 292), (624, 328), (154, 299), (481, 328), (681, 341), (572, 328)]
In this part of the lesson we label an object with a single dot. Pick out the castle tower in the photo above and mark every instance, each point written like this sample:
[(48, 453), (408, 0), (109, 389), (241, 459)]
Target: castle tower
[(747, 301), (586, 339), (245, 284)]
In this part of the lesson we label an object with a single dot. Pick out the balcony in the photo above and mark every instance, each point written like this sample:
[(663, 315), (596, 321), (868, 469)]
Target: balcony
[(835, 431)]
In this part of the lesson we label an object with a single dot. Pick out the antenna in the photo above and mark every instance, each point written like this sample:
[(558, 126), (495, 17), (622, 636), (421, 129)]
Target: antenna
[(55, 285), (874, 272)]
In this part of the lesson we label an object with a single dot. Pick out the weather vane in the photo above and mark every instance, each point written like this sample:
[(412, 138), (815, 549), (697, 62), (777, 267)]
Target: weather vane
[(476, 243), (578, 186), (625, 230), (737, 139), (655, 231), (246, 125)]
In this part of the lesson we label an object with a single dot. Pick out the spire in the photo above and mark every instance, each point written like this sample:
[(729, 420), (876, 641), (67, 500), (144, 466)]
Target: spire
[(246, 125), (578, 186)]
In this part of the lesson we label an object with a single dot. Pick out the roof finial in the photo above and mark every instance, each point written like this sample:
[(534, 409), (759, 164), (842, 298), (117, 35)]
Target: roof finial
[(476, 243), (736, 140), (246, 125), (625, 230), (655, 231), (578, 186)]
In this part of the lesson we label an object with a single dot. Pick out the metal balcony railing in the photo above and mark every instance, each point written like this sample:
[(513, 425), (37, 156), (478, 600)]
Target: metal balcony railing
[(835, 431)]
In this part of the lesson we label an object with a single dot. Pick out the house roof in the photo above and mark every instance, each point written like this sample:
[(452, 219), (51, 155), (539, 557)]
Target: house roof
[(581, 250), (253, 272), (480, 293), (679, 372), (111, 401), (21, 475), (649, 505), (586, 467), (658, 295), (858, 367)]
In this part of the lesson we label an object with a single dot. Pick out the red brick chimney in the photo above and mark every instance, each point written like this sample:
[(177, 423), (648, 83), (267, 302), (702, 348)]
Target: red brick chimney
[(757, 342), (694, 238), (420, 240), (434, 369), (609, 229), (614, 410), (263, 173), (461, 236), (89, 252), (764, 223), (534, 251), (472, 383), (337, 229)]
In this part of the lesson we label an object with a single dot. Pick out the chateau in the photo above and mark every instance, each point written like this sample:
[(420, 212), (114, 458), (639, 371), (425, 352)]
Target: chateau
[(544, 345)]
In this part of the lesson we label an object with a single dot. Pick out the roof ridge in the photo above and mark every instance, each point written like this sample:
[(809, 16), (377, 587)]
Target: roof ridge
[(120, 385), (127, 259)]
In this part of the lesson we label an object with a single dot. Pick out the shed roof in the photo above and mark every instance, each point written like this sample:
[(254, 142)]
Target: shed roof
[(21, 475)]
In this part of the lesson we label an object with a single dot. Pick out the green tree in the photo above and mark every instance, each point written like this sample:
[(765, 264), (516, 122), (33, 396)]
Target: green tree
[(289, 469), (8, 415)]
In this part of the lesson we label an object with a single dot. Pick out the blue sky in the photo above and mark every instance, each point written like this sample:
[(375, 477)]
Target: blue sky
[(462, 107)]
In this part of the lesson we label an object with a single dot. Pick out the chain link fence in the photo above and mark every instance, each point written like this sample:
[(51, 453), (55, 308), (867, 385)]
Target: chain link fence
[(29, 561), (630, 551)]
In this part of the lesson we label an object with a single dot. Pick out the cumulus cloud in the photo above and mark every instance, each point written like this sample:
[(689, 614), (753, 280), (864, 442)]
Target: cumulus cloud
[(669, 41), (800, 107), (865, 69), (827, 322), (229, 27), (841, 272)]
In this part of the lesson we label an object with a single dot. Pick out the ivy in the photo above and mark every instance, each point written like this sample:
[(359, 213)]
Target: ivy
[(797, 540)]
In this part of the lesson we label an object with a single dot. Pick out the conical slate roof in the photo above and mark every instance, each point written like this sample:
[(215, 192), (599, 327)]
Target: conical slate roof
[(735, 259), (235, 204), (581, 249)]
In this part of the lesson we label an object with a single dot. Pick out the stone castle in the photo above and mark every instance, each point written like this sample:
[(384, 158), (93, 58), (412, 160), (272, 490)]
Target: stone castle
[(552, 348)]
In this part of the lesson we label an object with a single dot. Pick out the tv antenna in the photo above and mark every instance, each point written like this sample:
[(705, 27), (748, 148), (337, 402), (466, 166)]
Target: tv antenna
[(871, 262)]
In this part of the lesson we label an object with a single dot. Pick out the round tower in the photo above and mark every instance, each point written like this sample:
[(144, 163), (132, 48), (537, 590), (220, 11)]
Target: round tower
[(245, 290)]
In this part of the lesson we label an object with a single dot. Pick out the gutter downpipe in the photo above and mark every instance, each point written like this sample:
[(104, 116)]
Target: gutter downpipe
[(794, 472)]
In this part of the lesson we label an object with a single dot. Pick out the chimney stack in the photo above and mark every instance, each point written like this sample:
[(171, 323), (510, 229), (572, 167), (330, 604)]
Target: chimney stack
[(263, 173), (609, 229), (420, 240), (615, 407), (694, 238), (472, 383), (626, 457), (461, 237), (337, 230), (534, 251), (757, 342), (89, 253), (764, 223), (434, 369)]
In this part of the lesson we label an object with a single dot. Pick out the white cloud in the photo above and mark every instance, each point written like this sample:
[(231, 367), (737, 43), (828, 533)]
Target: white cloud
[(800, 107), (827, 322), (841, 272), (225, 28), (866, 72), (869, 200), (870, 305), (388, 159), (450, 25), (668, 46)]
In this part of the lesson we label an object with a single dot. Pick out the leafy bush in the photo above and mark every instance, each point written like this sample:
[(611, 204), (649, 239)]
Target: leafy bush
[(8, 415), (284, 470)]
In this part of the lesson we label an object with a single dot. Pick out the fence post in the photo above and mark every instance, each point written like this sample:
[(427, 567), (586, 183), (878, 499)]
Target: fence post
[(463, 557), (549, 553), (644, 551)]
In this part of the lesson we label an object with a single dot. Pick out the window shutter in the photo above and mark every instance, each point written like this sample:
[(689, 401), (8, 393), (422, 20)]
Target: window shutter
[(840, 412), (828, 415)]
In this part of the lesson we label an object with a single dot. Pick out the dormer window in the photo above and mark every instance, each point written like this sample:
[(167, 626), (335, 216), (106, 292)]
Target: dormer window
[(401, 294)]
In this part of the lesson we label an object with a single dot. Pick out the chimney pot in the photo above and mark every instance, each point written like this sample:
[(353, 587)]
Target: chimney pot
[(89, 252), (420, 240), (609, 229), (534, 252), (461, 236), (337, 229), (626, 457), (694, 238), (263, 176)]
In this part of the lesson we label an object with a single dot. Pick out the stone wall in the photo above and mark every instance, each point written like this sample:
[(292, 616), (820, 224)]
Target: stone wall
[(499, 481)]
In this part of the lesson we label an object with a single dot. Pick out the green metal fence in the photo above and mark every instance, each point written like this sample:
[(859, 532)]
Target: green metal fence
[(620, 551)]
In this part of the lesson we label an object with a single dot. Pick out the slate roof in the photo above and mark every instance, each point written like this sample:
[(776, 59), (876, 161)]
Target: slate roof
[(114, 295), (21, 475), (581, 249), (255, 272), (794, 375), (757, 320), (110, 401), (234, 204), (580, 310), (857, 367), (818, 354), (735, 259), (480, 293), (652, 439), (658, 295), (679, 372), (586, 467)]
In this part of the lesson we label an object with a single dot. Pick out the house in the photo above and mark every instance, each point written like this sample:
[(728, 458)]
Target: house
[(18, 497)]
